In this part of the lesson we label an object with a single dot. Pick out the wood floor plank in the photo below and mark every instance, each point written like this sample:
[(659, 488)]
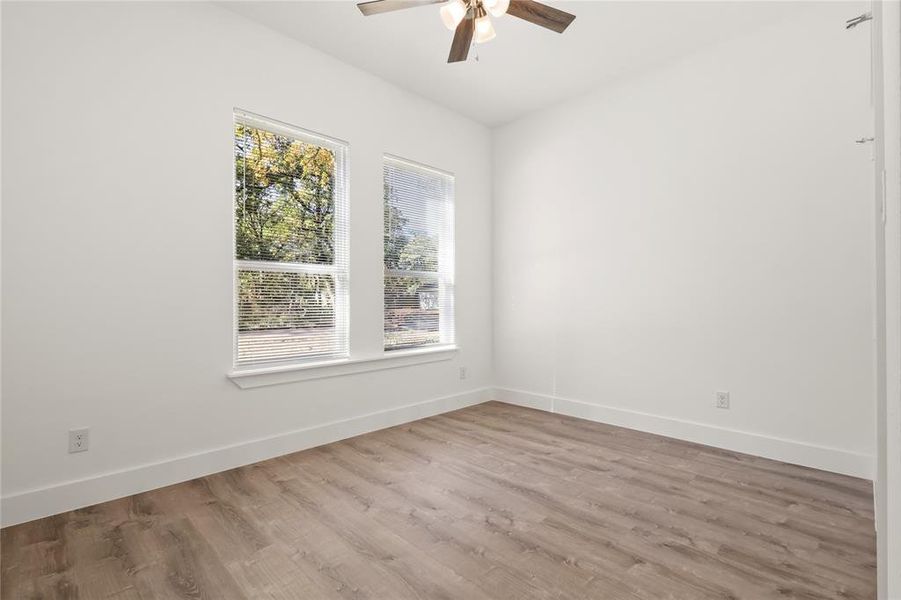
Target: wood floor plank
[(493, 501), (702, 511)]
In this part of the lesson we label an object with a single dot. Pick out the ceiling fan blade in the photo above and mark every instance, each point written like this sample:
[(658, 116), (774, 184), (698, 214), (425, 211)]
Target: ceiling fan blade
[(462, 40), (374, 7), (540, 14)]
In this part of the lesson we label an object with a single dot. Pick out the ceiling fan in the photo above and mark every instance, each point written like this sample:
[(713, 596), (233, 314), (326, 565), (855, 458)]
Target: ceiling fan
[(470, 18)]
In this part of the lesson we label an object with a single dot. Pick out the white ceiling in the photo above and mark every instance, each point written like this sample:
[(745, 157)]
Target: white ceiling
[(525, 67)]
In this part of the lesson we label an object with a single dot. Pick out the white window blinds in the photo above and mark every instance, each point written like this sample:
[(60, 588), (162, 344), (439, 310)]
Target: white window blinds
[(419, 255), (291, 261)]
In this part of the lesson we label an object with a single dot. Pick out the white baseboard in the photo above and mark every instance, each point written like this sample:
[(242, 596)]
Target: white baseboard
[(790, 451), (70, 495)]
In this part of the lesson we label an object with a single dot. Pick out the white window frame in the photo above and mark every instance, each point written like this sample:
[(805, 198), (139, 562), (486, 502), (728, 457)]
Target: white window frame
[(340, 267), (446, 266)]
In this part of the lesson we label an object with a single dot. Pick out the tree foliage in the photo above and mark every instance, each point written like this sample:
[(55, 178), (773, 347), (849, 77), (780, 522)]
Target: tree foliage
[(396, 236), (284, 191), (420, 254), (411, 318), (284, 212)]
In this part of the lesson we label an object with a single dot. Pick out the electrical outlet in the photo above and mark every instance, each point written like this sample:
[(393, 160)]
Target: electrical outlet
[(79, 440), (722, 400), (462, 372)]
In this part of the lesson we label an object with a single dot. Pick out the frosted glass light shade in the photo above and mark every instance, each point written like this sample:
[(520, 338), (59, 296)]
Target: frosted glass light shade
[(497, 8), (484, 30), (452, 13)]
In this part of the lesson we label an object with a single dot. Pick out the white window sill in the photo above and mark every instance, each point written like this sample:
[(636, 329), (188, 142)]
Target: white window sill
[(261, 376)]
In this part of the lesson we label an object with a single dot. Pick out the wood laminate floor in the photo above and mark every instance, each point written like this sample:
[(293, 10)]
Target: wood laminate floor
[(493, 501)]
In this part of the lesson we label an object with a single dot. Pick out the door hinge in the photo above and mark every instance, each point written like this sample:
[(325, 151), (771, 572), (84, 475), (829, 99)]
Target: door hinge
[(852, 23)]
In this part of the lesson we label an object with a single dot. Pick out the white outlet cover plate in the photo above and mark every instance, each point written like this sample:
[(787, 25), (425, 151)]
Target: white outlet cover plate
[(79, 440)]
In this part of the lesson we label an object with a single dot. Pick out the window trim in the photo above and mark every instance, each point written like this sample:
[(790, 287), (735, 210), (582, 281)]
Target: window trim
[(294, 372), (340, 267), (446, 273)]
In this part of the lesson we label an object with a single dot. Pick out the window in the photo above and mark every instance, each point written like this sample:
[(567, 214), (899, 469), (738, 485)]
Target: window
[(291, 260), (419, 256)]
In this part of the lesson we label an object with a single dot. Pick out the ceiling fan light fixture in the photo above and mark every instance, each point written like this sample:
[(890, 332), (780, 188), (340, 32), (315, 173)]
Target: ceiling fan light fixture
[(484, 30), (452, 13), (497, 8), (470, 20)]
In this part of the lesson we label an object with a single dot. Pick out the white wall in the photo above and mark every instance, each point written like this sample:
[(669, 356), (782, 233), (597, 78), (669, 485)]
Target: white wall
[(117, 246), (712, 220), (706, 226)]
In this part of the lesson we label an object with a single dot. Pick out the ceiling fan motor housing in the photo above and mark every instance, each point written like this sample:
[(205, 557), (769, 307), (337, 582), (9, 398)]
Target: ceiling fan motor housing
[(470, 18)]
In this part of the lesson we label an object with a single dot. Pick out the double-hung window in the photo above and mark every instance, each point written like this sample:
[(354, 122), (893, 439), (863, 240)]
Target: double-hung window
[(419, 255), (291, 250)]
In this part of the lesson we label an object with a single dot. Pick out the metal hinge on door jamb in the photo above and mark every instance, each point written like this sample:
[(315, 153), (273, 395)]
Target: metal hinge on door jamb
[(852, 23)]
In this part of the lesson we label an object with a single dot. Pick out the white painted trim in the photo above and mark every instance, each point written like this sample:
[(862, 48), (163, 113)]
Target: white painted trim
[(41, 502), (285, 267), (825, 458), (274, 375), (252, 119), (417, 165), (70, 495)]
